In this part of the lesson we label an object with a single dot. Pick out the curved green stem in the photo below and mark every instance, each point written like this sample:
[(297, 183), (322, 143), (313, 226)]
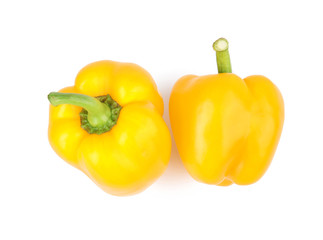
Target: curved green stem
[(221, 46), (98, 113)]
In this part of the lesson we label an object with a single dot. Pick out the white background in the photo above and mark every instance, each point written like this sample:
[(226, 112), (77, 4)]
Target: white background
[(43, 44)]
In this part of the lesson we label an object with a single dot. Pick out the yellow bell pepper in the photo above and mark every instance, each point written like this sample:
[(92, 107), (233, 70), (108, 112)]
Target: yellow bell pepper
[(110, 126), (226, 128)]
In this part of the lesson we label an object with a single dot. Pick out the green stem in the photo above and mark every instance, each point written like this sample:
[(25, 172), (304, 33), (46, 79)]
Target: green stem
[(98, 113), (221, 46)]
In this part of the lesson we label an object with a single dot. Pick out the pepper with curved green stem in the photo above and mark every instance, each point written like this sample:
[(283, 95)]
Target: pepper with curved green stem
[(109, 125)]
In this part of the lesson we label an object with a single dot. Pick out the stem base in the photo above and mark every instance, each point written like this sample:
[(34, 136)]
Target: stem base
[(115, 111)]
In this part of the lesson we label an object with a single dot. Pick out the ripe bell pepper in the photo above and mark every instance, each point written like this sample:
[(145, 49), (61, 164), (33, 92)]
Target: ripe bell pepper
[(226, 128), (110, 126)]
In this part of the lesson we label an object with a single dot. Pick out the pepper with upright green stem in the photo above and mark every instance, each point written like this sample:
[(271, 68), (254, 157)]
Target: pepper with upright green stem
[(226, 128)]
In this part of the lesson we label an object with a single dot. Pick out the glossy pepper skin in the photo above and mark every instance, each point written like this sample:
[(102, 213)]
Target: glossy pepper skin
[(226, 128), (131, 155)]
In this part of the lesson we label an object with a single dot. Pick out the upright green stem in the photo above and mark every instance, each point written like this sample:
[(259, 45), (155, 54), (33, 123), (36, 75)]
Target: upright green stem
[(98, 113), (221, 46)]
